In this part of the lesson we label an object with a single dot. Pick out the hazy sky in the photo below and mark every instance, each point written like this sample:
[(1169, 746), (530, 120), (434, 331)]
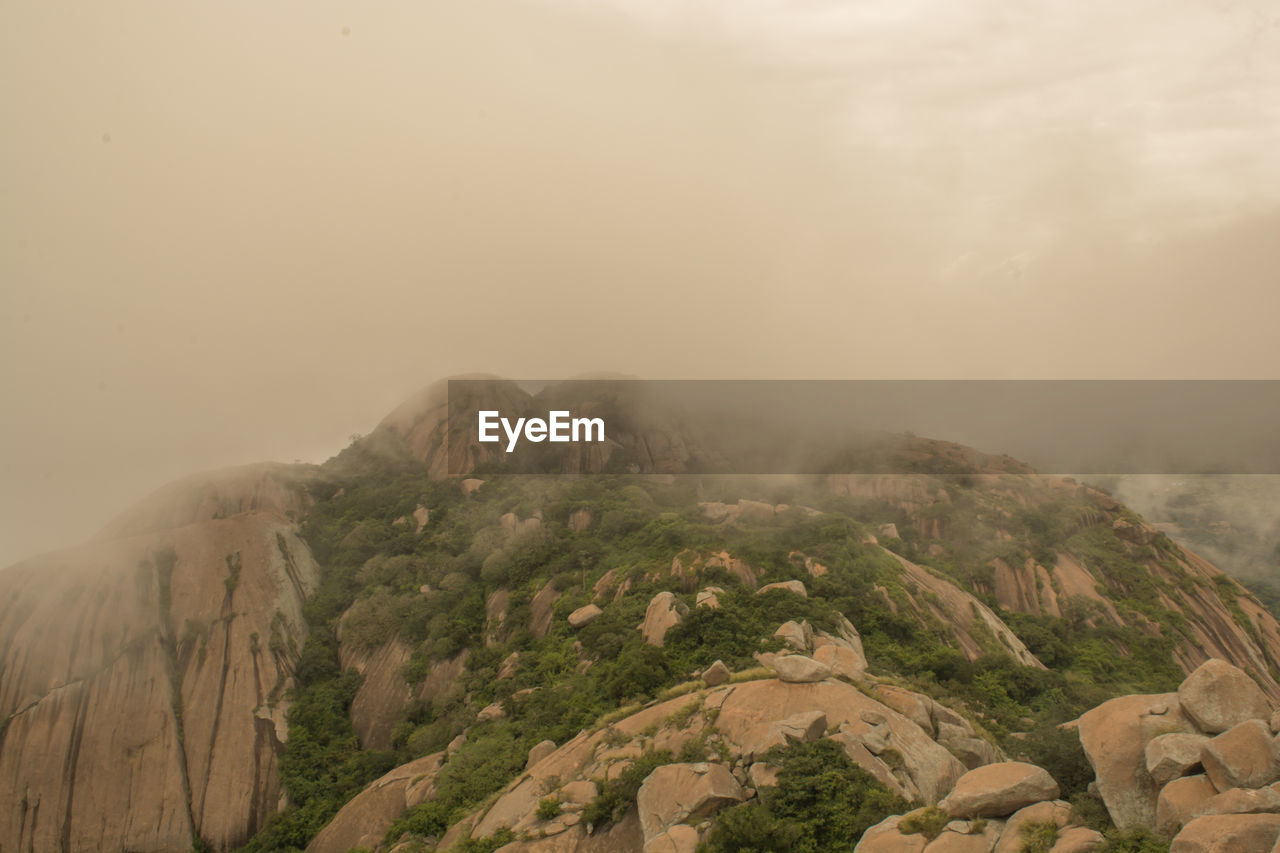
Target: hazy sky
[(241, 231)]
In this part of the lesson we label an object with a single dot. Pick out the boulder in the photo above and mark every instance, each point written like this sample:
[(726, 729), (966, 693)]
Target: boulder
[(1173, 755), (665, 611), (762, 775), (540, 752), (716, 674), (842, 661), (578, 794), (1179, 800), (673, 793), (709, 597), (490, 713), (366, 817), (884, 837), (1115, 736), (1244, 756), (584, 615), (1242, 801), (997, 790), (961, 836), (1228, 834), (1077, 839), (796, 587), (798, 669), (1054, 811), (1217, 696), (916, 707), (794, 635)]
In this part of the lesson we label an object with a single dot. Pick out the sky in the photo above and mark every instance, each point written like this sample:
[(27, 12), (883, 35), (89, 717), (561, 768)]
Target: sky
[(239, 231)]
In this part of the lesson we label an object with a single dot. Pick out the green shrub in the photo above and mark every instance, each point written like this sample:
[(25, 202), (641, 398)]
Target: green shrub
[(928, 822), (549, 808), (1038, 837)]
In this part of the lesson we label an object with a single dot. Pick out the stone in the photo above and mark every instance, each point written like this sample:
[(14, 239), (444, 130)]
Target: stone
[(916, 707), (1115, 736), (1244, 756), (1218, 695), (793, 635), (709, 598), (674, 793), (841, 661), (962, 836), (578, 793), (540, 751), (365, 819), (1173, 755), (584, 616), (716, 674), (762, 775), (490, 713), (665, 611), (470, 485), (798, 669), (998, 790), (1077, 839), (795, 587), (1051, 811), (1179, 801), (1241, 801), (888, 531), (1228, 834)]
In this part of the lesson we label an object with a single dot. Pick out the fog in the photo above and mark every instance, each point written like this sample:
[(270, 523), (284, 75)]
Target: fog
[(234, 232)]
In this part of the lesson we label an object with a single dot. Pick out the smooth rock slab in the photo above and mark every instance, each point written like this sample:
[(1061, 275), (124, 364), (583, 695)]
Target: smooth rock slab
[(998, 790)]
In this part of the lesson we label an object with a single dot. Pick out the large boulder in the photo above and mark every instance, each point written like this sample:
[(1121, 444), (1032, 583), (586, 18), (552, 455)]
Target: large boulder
[(999, 790), (1245, 756), (665, 611), (1217, 696), (1115, 736), (798, 669), (794, 635), (1179, 801), (962, 836), (794, 587), (1173, 755), (1242, 801), (1228, 834), (673, 793), (716, 674), (680, 838), (841, 661), (540, 751), (1078, 839)]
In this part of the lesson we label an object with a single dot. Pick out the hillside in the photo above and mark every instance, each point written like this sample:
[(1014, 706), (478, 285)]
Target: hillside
[(502, 656)]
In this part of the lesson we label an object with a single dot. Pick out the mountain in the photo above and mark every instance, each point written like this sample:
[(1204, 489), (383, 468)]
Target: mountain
[(321, 657)]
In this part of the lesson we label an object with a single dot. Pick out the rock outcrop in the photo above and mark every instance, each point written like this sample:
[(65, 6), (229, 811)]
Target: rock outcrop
[(998, 790), (145, 676)]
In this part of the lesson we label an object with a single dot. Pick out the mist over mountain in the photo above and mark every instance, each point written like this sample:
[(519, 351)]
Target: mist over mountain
[(369, 651)]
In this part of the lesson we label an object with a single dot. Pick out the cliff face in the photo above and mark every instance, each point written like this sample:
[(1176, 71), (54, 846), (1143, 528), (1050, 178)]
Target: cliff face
[(142, 680)]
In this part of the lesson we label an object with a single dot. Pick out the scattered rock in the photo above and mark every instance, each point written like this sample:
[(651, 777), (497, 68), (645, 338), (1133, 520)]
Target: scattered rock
[(998, 790), (665, 611), (584, 615), (916, 707), (1217, 696), (716, 674), (795, 587), (798, 669), (1242, 757), (490, 713), (709, 597)]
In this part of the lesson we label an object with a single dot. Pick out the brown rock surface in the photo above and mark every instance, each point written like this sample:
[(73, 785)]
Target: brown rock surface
[(1245, 756), (1051, 811), (1179, 801), (662, 614), (884, 837), (674, 793), (1218, 695), (146, 679), (961, 836), (841, 661), (795, 587), (1173, 755), (366, 818), (798, 669), (1242, 801), (1115, 736), (750, 708), (999, 790), (1078, 839), (1228, 834), (584, 615)]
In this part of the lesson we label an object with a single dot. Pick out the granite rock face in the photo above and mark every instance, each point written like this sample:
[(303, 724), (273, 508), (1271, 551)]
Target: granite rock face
[(157, 658)]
